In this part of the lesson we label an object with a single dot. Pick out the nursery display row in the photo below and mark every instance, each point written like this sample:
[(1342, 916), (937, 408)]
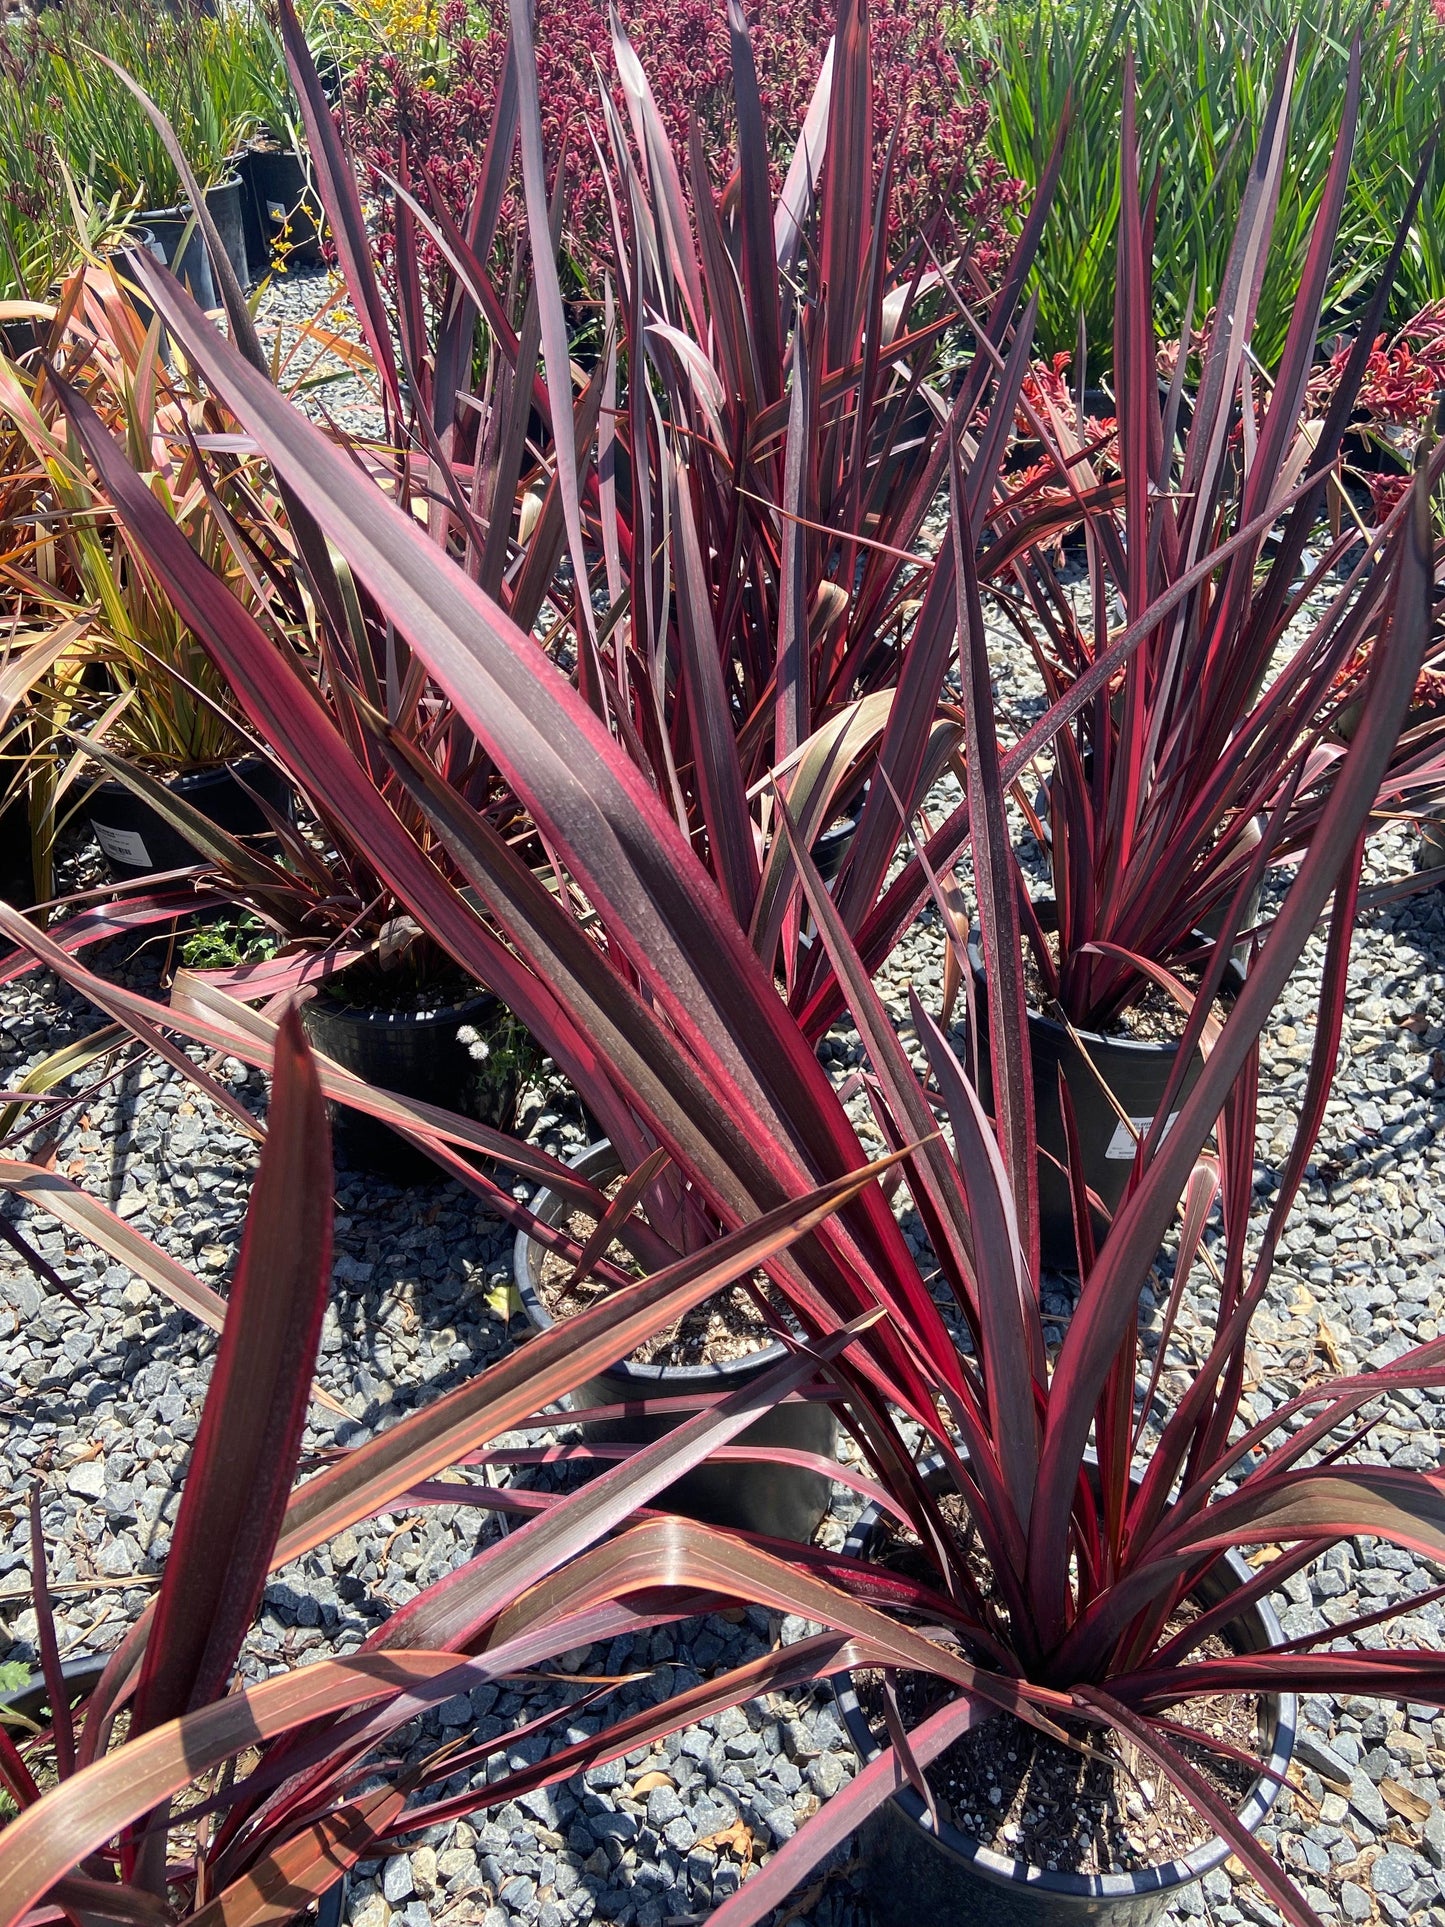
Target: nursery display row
[(720, 1020)]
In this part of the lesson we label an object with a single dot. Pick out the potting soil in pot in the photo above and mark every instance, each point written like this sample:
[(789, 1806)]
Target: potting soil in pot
[(727, 1326), (1107, 1810), (1024, 1796)]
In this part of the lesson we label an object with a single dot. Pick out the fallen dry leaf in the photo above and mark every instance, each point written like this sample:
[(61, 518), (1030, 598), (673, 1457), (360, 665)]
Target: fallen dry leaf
[(392, 1537), (1325, 1344), (738, 1839), (1404, 1800), (1295, 1776), (646, 1782)]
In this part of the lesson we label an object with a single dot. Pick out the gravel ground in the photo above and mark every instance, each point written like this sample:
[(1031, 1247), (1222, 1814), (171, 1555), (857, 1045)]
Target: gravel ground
[(102, 1404), (295, 302)]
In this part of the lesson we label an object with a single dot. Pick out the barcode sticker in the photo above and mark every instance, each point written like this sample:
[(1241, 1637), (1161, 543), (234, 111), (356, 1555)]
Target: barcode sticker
[(1122, 1143), (123, 846)]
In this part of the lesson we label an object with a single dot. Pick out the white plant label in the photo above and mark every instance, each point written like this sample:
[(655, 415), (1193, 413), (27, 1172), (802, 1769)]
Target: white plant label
[(123, 846), (1122, 1144)]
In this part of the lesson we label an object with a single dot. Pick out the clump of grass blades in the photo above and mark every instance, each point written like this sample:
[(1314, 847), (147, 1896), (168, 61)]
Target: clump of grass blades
[(1205, 72)]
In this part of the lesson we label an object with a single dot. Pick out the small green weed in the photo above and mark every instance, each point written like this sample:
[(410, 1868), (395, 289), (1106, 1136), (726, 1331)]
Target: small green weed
[(231, 941)]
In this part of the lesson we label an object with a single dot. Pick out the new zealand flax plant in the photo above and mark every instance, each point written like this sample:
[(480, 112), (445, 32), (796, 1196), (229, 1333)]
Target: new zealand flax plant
[(163, 706), (757, 450), (158, 698), (1086, 1570), (744, 482), (1223, 719), (641, 980), (807, 368)]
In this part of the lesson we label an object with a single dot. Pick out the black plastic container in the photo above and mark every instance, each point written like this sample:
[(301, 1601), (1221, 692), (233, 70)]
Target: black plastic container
[(1136, 1072), (81, 1673), (191, 263), (258, 254), (282, 218), (17, 876), (28, 333), (828, 852), (23, 336), (834, 844), (419, 1056), (916, 1875), (16, 885), (782, 1501), (136, 840)]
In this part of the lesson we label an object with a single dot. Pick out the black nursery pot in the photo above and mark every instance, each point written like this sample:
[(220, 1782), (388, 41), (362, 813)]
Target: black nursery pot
[(828, 852), (1135, 1071), (81, 1674), (22, 337), (16, 885), (17, 876), (280, 212), (27, 334), (914, 1874), (414, 1055), (833, 845), (781, 1501), (1430, 854), (225, 204), (191, 264), (136, 840)]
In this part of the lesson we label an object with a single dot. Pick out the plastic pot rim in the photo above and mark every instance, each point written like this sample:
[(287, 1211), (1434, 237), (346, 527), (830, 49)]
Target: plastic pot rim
[(732, 1373), (185, 782), (327, 999), (183, 210), (1004, 1869), (194, 773), (76, 1669)]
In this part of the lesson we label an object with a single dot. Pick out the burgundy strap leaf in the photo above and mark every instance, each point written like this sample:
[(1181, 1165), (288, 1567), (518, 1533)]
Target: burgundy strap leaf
[(240, 1475), (1108, 1308)]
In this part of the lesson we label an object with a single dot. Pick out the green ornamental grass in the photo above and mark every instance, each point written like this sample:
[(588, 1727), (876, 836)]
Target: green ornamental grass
[(217, 77), (1204, 74)]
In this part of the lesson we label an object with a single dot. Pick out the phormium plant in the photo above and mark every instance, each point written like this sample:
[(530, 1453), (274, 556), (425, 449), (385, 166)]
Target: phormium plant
[(1070, 1614), (1211, 751), (1084, 1581)]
